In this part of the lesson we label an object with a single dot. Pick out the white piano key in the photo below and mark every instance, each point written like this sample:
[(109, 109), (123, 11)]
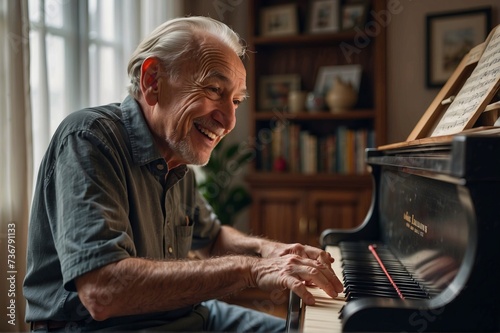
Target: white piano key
[(324, 315)]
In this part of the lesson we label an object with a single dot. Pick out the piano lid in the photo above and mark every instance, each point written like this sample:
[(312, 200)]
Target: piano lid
[(474, 156)]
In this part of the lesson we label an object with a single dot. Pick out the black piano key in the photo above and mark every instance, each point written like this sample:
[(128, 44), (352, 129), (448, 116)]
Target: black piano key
[(363, 276), (406, 285), (405, 291), (375, 272), (385, 289), (372, 264), (358, 295)]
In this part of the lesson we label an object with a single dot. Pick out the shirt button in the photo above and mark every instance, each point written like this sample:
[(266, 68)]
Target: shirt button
[(160, 166), (170, 250)]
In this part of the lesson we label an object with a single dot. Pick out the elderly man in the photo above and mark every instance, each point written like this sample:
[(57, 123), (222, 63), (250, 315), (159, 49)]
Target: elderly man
[(116, 209)]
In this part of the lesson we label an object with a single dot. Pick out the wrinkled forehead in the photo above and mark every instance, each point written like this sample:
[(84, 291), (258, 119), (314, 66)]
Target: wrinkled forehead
[(219, 61)]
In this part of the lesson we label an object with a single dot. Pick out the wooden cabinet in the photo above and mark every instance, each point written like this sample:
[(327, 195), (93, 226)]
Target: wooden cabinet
[(341, 208), (309, 173), (292, 213)]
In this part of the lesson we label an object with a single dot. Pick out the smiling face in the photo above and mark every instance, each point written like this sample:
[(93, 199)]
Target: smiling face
[(188, 116)]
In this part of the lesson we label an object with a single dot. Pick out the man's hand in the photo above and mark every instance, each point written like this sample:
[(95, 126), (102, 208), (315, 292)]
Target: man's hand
[(294, 266), (282, 266)]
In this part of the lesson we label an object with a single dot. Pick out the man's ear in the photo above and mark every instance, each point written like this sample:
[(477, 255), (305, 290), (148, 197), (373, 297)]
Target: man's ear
[(149, 80)]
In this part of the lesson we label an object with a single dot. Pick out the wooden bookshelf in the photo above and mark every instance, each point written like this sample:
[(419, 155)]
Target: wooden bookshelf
[(295, 205)]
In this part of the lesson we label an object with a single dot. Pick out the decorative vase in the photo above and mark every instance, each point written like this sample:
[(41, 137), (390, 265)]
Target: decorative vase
[(341, 97), (315, 102)]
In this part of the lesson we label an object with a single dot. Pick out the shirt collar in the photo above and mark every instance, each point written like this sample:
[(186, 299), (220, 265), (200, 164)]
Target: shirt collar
[(141, 141)]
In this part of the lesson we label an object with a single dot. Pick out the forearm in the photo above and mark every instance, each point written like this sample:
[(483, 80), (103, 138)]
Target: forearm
[(232, 241), (135, 286)]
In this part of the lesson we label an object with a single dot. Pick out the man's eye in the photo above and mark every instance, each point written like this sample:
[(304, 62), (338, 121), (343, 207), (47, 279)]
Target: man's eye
[(237, 102), (214, 90)]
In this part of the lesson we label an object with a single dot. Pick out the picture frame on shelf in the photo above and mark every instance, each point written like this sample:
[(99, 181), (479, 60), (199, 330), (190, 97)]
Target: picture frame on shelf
[(279, 20), (354, 15), (324, 16), (274, 89), (327, 74), (449, 36)]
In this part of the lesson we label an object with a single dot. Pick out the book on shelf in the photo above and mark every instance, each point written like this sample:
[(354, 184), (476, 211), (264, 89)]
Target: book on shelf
[(296, 150)]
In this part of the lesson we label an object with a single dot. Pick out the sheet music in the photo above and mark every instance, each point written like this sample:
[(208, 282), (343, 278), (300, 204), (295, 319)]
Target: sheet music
[(483, 80)]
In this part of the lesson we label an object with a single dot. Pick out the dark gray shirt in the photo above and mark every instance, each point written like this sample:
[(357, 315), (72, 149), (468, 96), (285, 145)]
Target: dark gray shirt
[(104, 193)]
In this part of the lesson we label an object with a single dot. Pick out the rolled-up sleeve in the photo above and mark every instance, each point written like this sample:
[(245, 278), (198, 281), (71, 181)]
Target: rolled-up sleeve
[(90, 221)]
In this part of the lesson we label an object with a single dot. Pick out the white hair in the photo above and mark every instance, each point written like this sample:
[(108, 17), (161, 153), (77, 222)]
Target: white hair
[(177, 40)]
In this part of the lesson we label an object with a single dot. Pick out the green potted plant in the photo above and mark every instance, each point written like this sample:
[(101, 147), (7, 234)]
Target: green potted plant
[(227, 198)]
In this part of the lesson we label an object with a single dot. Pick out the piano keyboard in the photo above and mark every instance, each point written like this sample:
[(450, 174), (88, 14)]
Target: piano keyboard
[(324, 315), (362, 277)]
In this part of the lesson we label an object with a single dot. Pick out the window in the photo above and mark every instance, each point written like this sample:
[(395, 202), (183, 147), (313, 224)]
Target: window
[(77, 60), (106, 53), (79, 51), (50, 33)]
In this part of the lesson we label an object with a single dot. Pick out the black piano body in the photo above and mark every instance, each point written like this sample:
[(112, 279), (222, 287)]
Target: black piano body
[(436, 207)]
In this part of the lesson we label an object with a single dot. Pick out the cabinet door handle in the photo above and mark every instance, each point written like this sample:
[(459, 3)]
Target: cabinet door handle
[(303, 226)]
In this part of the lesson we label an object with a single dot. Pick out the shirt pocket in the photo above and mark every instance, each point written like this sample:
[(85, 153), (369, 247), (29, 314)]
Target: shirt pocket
[(184, 237)]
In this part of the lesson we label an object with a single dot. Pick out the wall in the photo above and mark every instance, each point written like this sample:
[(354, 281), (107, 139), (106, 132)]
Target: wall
[(408, 96)]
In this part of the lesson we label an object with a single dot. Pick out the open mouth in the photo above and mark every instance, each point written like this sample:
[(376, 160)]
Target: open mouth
[(209, 134)]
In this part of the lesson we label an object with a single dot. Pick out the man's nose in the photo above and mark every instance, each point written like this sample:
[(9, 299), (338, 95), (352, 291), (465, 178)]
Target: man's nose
[(228, 112)]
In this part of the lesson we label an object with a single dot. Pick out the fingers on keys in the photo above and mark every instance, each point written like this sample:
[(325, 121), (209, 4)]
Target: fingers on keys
[(312, 271)]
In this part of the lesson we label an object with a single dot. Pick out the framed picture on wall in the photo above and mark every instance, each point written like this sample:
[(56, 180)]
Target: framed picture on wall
[(279, 20), (449, 36), (325, 16), (354, 15), (327, 74), (274, 89)]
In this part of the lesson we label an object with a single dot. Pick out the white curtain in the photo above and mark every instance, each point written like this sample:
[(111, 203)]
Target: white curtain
[(91, 40), (18, 132), (16, 161), (155, 12)]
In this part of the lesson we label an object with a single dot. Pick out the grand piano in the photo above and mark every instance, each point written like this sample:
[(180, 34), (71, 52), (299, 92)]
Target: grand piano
[(427, 256)]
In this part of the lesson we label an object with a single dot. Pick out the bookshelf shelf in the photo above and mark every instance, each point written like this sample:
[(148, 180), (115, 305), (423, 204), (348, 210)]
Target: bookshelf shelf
[(320, 116), (312, 181), (304, 39), (335, 189)]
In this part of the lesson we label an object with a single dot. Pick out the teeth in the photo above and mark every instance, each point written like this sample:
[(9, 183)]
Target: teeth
[(211, 135)]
